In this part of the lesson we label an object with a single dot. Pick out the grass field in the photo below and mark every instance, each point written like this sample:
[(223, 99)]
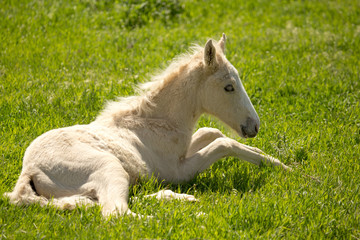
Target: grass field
[(60, 61)]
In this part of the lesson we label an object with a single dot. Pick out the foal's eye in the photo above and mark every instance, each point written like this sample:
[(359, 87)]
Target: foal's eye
[(229, 88)]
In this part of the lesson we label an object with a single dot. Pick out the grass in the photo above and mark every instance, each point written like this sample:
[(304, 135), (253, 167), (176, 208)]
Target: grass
[(60, 61)]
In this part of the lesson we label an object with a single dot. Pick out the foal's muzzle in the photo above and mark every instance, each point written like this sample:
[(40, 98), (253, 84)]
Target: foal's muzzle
[(250, 129)]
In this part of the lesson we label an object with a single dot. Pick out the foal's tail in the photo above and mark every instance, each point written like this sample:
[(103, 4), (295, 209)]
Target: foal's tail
[(24, 194)]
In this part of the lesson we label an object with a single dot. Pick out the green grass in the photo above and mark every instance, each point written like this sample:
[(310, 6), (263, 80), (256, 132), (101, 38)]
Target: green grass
[(60, 61)]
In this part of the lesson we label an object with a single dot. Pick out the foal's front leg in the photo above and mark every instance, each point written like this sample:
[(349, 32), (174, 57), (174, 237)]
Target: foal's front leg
[(208, 146), (201, 138), (204, 136)]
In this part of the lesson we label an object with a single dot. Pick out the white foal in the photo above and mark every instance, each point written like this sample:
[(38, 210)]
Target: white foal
[(145, 135)]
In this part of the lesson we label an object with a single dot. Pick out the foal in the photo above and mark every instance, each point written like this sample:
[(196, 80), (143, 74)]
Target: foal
[(145, 135)]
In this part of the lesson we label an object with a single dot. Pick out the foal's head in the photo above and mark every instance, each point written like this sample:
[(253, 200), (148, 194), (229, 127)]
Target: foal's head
[(222, 93)]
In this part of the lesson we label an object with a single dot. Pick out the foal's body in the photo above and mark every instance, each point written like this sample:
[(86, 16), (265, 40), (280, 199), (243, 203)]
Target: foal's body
[(144, 136)]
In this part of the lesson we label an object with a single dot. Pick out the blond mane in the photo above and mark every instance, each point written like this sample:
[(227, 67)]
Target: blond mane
[(141, 103)]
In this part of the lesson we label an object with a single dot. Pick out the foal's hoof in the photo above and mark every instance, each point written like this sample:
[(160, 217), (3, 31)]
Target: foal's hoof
[(189, 198), (168, 194), (200, 214)]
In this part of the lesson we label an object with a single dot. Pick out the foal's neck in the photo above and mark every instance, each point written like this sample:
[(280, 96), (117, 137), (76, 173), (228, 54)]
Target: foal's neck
[(176, 101)]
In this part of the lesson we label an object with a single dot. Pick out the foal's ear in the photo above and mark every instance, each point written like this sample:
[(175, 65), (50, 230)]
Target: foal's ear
[(222, 42), (210, 54)]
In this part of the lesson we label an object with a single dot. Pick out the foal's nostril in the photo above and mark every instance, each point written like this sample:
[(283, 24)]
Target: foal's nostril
[(251, 128), (243, 130)]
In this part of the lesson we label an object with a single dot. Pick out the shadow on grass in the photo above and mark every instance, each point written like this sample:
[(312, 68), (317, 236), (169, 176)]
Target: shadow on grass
[(224, 177)]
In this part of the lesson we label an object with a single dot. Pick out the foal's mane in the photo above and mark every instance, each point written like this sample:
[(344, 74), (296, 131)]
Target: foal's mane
[(164, 77), (141, 104)]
